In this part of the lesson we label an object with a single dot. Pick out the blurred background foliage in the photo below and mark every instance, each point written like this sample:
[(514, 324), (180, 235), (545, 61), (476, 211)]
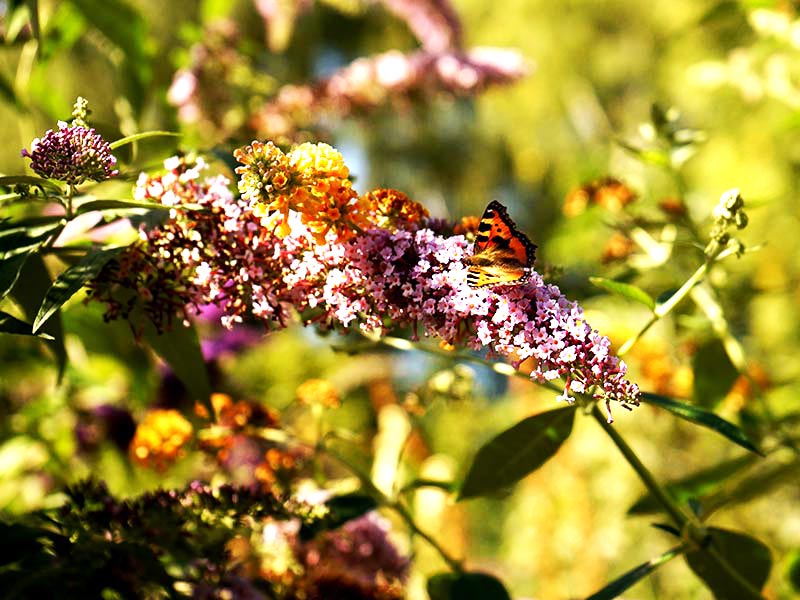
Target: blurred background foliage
[(595, 69)]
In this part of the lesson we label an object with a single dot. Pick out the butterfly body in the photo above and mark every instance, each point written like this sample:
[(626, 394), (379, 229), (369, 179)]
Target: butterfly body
[(503, 254)]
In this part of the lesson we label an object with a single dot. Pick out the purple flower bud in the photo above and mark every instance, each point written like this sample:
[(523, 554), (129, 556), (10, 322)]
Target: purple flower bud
[(72, 154)]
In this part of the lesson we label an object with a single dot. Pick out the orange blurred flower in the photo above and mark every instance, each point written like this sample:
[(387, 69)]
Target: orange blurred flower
[(160, 438), (618, 247), (608, 192), (318, 391)]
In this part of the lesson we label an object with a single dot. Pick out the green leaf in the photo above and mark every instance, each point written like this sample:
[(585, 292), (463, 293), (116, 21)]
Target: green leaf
[(447, 486), (141, 136), (129, 205), (119, 22), (714, 374), (9, 272), (517, 451), (622, 583), (734, 566), (22, 238), (702, 417), (32, 284), (627, 290), (11, 324), (466, 586), (70, 281), (697, 484), (180, 349), (9, 180), (646, 155), (33, 9), (793, 571), (7, 91), (340, 510), (757, 484)]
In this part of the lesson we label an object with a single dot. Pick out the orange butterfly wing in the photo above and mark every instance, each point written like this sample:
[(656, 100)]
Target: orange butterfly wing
[(503, 254)]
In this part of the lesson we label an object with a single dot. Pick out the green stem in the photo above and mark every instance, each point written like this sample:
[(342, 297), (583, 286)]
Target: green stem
[(395, 505), (667, 307), (670, 506), (68, 197)]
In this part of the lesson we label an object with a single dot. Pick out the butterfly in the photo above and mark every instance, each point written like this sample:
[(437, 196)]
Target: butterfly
[(503, 254)]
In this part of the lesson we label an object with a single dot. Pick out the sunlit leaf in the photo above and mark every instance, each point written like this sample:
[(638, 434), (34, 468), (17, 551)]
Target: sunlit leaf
[(341, 509), (70, 281), (700, 416), (466, 586), (622, 583), (22, 239), (626, 290), (180, 349), (11, 324), (695, 485), (9, 180), (517, 451), (733, 565), (141, 136), (113, 204)]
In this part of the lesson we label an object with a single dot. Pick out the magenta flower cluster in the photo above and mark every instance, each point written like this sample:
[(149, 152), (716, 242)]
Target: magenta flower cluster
[(419, 278), (72, 154), (411, 275)]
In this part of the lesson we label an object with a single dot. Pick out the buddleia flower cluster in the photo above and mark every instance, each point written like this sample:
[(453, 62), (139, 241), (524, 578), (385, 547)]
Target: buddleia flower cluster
[(298, 239), (73, 154)]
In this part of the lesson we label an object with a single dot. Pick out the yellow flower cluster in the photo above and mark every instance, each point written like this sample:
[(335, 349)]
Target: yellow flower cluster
[(311, 180), (160, 438)]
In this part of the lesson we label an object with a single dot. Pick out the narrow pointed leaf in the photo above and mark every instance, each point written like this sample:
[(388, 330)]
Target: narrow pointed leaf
[(705, 418), (70, 281), (10, 180), (734, 566), (141, 136), (33, 9), (696, 485), (622, 583), (25, 238), (180, 349), (31, 287), (517, 451), (626, 290), (466, 586), (13, 325), (113, 204), (9, 272)]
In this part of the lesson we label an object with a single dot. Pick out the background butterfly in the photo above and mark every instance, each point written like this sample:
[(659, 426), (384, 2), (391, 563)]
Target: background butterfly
[(503, 254)]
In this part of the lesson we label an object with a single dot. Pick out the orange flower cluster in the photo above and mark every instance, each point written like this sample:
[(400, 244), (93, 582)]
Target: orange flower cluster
[(160, 439), (393, 210), (311, 180), (239, 448)]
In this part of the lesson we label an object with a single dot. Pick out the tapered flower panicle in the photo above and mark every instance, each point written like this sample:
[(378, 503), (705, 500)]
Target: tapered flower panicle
[(299, 240), (72, 154)]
